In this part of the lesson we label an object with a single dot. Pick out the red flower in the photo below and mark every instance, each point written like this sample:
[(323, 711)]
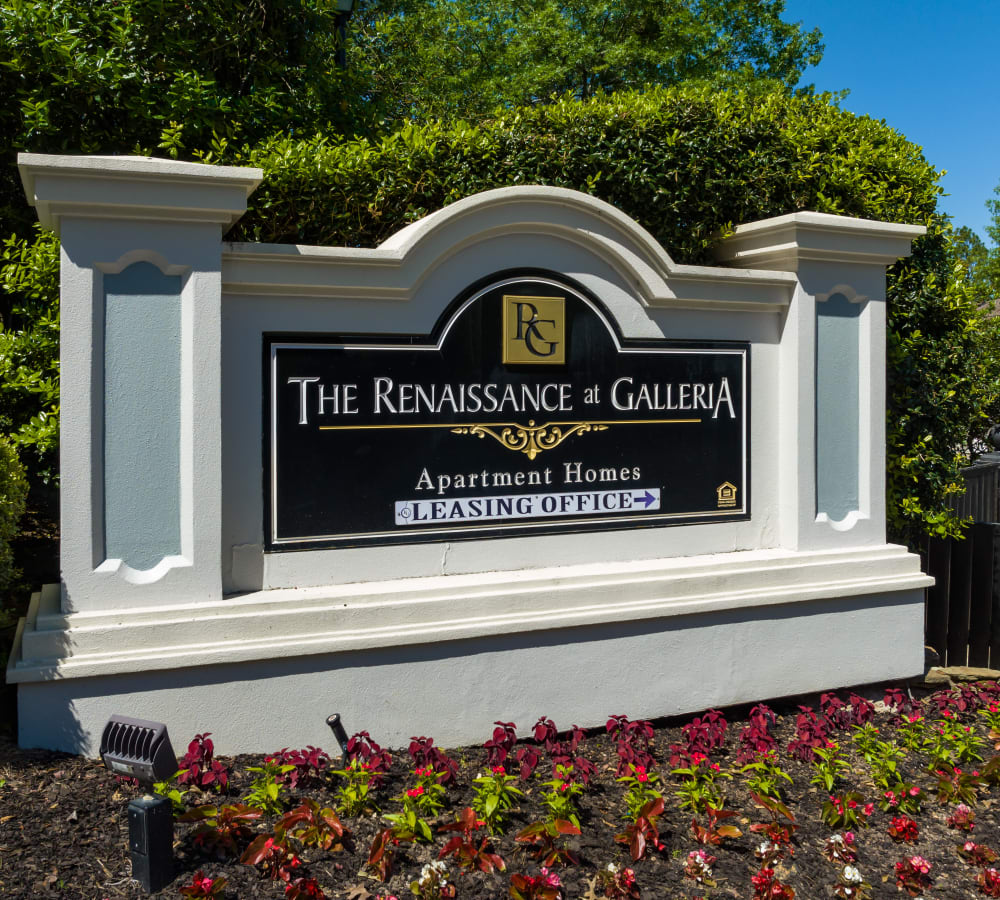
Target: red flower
[(415, 792)]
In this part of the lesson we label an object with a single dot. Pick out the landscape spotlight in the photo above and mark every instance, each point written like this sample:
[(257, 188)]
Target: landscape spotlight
[(139, 749), (337, 727)]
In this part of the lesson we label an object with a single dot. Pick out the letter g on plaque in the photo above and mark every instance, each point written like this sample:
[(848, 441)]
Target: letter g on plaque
[(534, 330)]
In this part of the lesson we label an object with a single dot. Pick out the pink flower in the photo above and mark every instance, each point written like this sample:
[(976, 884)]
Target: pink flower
[(499, 770), (914, 791), (848, 837), (640, 774), (869, 808), (550, 878), (920, 864), (852, 804)]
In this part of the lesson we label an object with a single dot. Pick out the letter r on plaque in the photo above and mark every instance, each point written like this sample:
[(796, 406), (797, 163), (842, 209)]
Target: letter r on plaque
[(534, 330)]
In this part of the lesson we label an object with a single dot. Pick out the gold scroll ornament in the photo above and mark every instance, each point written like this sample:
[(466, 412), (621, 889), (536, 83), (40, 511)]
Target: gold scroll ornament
[(530, 439)]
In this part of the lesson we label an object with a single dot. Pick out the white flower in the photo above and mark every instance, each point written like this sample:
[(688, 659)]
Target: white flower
[(612, 868), (851, 875), (435, 868)]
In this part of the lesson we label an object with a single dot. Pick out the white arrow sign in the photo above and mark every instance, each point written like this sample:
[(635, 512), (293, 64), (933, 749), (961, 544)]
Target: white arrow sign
[(525, 506)]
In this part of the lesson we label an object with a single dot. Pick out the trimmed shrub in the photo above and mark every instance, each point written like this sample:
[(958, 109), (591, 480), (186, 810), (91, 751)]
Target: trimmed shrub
[(13, 494)]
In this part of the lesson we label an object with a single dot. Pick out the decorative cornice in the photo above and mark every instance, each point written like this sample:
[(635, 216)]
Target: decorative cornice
[(304, 621), (134, 187), (783, 242)]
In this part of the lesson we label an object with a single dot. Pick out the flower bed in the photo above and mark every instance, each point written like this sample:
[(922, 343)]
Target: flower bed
[(845, 798)]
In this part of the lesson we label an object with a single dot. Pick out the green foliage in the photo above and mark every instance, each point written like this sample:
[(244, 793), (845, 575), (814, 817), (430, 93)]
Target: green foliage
[(354, 793), (942, 381), (468, 58), (174, 794), (13, 493), (29, 349), (267, 792), (495, 798), (80, 77), (828, 766), (764, 776), (982, 267)]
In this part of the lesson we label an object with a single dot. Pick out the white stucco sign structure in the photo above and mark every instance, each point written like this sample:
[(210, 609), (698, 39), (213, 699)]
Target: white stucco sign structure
[(513, 462)]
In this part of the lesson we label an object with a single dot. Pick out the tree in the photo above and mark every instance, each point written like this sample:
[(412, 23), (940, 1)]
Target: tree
[(466, 58), (170, 76), (979, 270)]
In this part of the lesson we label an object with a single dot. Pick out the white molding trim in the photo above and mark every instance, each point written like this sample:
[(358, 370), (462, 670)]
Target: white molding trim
[(304, 621), (783, 242), (396, 268), (137, 256), (845, 290), (134, 187)]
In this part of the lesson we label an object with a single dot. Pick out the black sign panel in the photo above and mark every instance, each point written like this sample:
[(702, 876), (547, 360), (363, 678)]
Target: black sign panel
[(525, 412)]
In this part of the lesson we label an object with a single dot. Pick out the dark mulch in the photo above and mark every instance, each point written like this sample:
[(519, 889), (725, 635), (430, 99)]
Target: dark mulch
[(63, 830)]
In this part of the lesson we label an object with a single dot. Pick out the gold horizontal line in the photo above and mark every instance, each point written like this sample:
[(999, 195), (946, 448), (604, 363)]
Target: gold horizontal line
[(511, 424)]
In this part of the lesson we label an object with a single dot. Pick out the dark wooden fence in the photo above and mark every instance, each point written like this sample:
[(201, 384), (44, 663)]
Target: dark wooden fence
[(963, 608)]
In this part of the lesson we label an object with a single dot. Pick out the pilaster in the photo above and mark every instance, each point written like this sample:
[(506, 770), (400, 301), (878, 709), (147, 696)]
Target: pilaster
[(140, 372), (832, 369)]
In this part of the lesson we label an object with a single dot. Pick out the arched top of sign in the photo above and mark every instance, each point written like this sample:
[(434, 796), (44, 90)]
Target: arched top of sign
[(523, 412), (396, 268), (586, 219)]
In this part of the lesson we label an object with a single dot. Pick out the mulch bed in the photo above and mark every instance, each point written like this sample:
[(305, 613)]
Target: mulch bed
[(63, 828)]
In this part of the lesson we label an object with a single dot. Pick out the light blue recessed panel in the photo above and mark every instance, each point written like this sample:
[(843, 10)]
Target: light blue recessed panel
[(838, 334), (142, 415)]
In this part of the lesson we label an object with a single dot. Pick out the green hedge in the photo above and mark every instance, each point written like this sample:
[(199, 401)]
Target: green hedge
[(13, 494), (688, 164), (29, 351)]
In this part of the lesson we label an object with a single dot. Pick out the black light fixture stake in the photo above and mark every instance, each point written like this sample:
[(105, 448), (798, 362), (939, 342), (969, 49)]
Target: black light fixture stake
[(337, 727), (139, 749)]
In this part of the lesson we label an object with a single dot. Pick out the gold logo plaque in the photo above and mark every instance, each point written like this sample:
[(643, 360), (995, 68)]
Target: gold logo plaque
[(534, 330)]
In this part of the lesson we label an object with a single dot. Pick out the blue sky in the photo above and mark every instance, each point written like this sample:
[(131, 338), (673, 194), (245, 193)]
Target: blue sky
[(931, 69)]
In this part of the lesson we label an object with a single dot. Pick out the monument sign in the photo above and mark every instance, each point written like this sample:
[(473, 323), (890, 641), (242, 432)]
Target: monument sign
[(478, 472)]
